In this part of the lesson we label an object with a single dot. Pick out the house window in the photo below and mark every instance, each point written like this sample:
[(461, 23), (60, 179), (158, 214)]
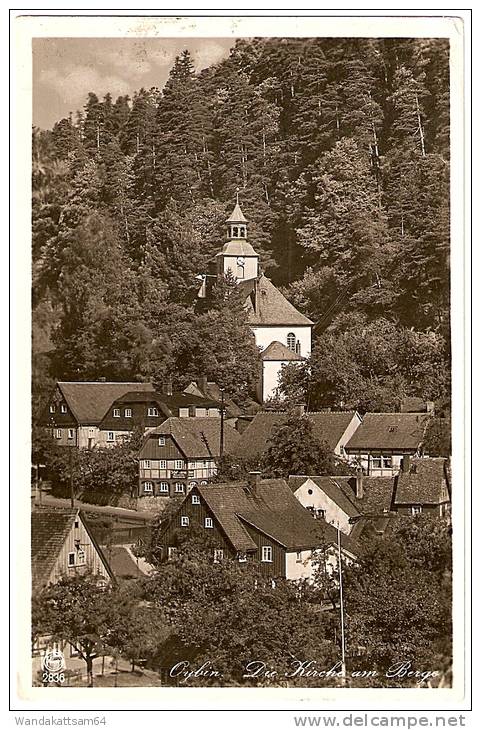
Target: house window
[(163, 487), (162, 464), (192, 485), (218, 555), (161, 440), (110, 436), (70, 433), (195, 499), (179, 487), (153, 412), (291, 341), (376, 462), (171, 551), (63, 408), (266, 554), (128, 413), (146, 464), (71, 560), (208, 522), (299, 556), (52, 409), (76, 523), (203, 482), (387, 461), (416, 509), (116, 413), (80, 557), (184, 521), (148, 487), (58, 433), (179, 465), (320, 513)]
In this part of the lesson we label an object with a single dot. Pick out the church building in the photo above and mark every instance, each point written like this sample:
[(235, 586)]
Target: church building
[(282, 334)]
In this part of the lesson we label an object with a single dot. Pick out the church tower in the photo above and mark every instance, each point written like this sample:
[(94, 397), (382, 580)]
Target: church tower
[(237, 254)]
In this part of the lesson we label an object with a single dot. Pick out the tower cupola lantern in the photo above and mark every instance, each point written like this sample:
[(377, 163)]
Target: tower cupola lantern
[(236, 223)]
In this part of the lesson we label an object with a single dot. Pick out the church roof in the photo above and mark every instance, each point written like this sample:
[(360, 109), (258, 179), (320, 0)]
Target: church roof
[(277, 351), (237, 247), (237, 216), (266, 304)]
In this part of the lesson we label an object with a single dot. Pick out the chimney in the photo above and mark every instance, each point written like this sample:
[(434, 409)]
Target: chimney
[(167, 387), (405, 464), (359, 484), (253, 480), (202, 384)]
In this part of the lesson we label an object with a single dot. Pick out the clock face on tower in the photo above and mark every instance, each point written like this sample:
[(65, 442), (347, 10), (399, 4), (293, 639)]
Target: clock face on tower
[(240, 261)]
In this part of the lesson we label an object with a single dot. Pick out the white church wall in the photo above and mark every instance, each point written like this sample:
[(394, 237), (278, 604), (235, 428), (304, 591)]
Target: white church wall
[(270, 377), (264, 335)]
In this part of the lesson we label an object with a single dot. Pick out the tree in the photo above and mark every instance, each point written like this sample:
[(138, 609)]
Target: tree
[(437, 437), (293, 449)]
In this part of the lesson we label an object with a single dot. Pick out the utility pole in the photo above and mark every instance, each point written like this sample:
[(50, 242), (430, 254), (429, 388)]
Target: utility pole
[(341, 602), (70, 476), (221, 448)]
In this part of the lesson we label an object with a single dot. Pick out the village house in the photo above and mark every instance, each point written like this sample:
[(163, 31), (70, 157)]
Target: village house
[(258, 520), (147, 409), (180, 454), (63, 546), (204, 388), (75, 410), (382, 439), (345, 501), (272, 318), (333, 428), (423, 485)]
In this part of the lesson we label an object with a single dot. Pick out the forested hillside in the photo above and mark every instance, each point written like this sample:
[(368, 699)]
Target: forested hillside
[(340, 151)]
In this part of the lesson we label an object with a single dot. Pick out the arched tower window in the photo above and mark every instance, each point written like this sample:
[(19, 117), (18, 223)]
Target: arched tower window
[(291, 341)]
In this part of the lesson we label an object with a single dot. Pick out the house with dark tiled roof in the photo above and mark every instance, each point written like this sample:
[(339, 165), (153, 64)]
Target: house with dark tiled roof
[(332, 427), (147, 409), (75, 410), (62, 545), (272, 318), (204, 388), (423, 485), (382, 439), (258, 520), (345, 500), (180, 454)]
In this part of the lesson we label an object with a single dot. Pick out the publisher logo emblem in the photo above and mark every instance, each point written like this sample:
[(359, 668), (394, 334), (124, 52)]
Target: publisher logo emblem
[(53, 661)]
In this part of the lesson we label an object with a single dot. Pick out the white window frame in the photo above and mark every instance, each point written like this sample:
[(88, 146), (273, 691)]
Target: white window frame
[(162, 464), (71, 433), (148, 487), (218, 555), (110, 436), (81, 557), (179, 488), (195, 499), (164, 487), (152, 411), (171, 551), (184, 521), (161, 440), (58, 433), (177, 467), (146, 464), (266, 551), (416, 509), (291, 341), (63, 408), (128, 413), (71, 563), (52, 408), (116, 413), (208, 523)]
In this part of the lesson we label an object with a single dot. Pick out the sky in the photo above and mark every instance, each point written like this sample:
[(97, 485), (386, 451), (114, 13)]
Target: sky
[(66, 69)]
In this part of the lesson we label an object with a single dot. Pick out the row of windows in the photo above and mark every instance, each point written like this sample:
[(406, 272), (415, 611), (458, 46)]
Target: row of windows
[(179, 488), (70, 433), (53, 408), (179, 465), (185, 522)]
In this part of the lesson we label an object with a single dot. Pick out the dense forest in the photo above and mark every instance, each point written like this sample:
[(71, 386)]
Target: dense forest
[(339, 149)]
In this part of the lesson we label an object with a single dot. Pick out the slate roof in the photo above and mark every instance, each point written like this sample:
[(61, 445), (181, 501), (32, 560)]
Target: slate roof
[(277, 351), (328, 426), (377, 492), (266, 305), (174, 401), (272, 509), (196, 437), (237, 216), (424, 483), (213, 391), (89, 402), (237, 247), (50, 527), (389, 431)]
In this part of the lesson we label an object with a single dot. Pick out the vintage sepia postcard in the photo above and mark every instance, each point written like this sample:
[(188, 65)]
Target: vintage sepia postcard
[(244, 389)]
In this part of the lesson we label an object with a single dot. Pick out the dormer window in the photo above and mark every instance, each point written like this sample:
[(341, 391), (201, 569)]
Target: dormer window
[(63, 408), (161, 440), (152, 411)]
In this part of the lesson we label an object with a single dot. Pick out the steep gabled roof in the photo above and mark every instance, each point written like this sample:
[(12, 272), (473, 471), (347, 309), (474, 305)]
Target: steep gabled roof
[(237, 216), (195, 437), (212, 390), (266, 305), (50, 527), (376, 499), (278, 352), (389, 431), (90, 401), (328, 426), (426, 482), (271, 508)]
